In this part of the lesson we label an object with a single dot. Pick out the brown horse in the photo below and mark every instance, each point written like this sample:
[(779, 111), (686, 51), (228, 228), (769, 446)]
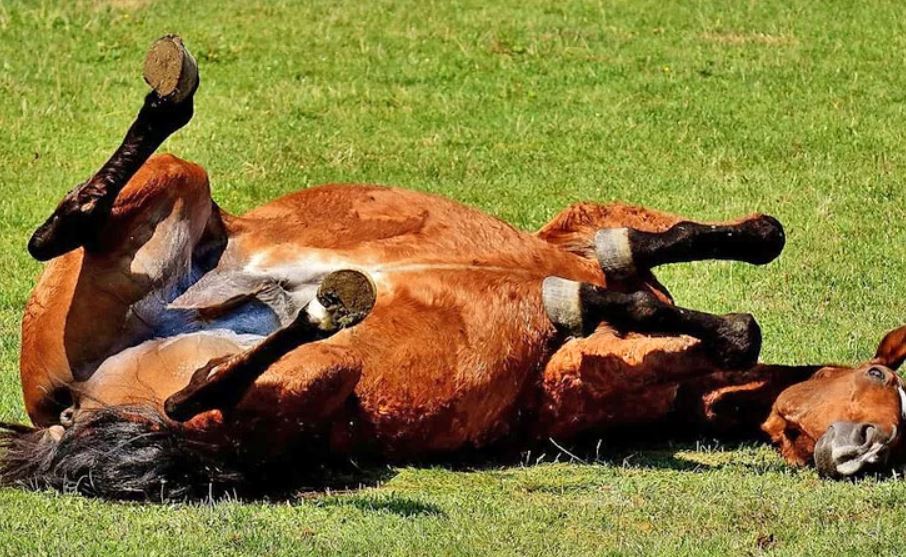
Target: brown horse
[(168, 342)]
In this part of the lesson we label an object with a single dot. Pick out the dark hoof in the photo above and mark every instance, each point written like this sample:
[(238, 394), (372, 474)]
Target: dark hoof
[(347, 297), (766, 239), (737, 342), (170, 70), (177, 410), (614, 253)]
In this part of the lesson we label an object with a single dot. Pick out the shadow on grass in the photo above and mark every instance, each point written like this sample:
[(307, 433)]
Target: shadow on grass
[(309, 472), (393, 504), (342, 481)]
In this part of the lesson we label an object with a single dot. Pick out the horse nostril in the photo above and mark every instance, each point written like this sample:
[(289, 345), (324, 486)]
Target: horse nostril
[(849, 448), (863, 434)]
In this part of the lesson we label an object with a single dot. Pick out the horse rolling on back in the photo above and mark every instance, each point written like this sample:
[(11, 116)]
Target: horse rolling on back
[(169, 345)]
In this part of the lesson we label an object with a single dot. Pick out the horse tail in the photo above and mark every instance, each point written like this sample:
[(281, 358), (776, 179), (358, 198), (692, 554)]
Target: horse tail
[(118, 452)]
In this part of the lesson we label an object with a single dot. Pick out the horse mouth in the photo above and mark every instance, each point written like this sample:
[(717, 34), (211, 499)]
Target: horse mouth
[(848, 449)]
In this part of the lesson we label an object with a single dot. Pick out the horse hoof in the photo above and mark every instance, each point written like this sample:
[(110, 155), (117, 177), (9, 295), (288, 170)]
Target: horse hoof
[(767, 239), (738, 342), (614, 253), (347, 296), (170, 70)]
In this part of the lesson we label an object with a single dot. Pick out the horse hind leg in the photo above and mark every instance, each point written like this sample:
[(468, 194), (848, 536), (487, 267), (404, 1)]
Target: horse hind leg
[(622, 252), (732, 341), (78, 219), (629, 240)]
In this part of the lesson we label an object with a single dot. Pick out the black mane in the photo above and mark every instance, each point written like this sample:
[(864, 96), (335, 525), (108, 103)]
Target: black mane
[(118, 453)]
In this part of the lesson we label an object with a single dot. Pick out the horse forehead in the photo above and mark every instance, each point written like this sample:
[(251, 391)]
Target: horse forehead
[(815, 396), (874, 402)]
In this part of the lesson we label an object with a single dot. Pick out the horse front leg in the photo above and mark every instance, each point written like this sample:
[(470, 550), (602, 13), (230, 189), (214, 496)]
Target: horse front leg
[(79, 218), (732, 341), (628, 241), (623, 252)]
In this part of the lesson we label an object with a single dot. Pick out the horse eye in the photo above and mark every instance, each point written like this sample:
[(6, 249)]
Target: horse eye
[(876, 373)]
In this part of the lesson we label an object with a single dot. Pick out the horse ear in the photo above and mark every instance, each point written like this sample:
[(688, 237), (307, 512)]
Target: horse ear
[(892, 350)]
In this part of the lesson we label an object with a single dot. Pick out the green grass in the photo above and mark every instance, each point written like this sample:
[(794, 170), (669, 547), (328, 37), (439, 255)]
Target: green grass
[(710, 109)]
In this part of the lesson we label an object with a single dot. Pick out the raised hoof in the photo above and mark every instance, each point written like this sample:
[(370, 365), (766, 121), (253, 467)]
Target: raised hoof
[(170, 70), (737, 343), (766, 238), (344, 298), (563, 304), (614, 253)]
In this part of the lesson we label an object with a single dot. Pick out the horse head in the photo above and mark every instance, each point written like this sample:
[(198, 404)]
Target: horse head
[(848, 419)]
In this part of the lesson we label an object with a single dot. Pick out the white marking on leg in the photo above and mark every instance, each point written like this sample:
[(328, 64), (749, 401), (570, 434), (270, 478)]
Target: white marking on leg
[(318, 315), (561, 303), (614, 252)]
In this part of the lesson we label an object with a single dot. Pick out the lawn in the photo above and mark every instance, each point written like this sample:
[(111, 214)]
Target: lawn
[(710, 109)]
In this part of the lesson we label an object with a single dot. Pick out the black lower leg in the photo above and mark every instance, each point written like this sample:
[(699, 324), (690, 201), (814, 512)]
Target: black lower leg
[(345, 297), (79, 216), (222, 383), (733, 341), (757, 240)]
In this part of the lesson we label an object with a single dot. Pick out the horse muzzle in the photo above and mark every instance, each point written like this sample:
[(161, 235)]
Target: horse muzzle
[(847, 449)]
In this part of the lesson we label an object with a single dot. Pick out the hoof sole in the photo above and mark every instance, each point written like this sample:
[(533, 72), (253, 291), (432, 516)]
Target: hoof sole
[(347, 297), (170, 70)]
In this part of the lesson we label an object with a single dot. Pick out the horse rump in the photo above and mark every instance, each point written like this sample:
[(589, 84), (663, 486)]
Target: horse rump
[(118, 452)]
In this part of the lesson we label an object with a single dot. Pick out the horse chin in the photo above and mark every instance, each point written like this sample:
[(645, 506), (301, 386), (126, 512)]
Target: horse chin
[(849, 449)]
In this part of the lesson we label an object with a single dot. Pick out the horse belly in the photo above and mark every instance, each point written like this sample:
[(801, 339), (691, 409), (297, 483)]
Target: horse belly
[(151, 371), (447, 356)]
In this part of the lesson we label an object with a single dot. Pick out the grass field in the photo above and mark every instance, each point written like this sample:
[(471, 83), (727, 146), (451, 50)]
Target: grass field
[(711, 109)]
